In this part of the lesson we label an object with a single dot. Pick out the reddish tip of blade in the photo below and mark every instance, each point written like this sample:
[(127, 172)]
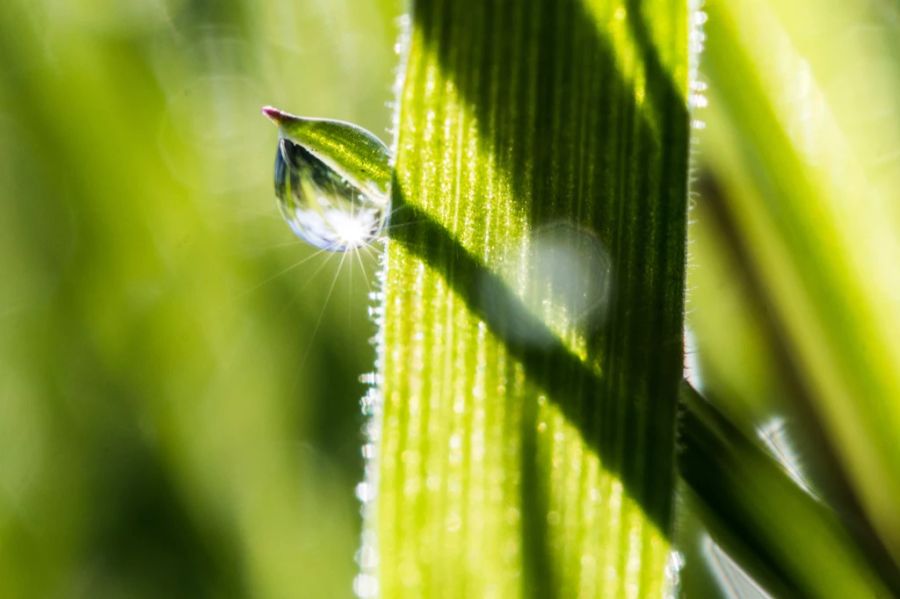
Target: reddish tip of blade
[(273, 113)]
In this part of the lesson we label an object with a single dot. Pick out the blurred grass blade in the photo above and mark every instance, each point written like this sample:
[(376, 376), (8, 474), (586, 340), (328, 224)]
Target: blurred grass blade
[(530, 344), (789, 542), (812, 188), (160, 435)]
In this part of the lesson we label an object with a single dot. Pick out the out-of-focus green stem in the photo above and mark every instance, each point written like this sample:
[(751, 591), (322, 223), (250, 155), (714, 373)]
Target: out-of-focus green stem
[(790, 542), (802, 136)]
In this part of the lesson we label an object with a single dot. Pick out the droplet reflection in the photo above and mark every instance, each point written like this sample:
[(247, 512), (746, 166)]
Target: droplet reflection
[(321, 205)]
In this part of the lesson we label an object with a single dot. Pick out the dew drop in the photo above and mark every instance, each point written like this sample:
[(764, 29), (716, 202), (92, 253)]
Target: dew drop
[(365, 492), (365, 586), (323, 206)]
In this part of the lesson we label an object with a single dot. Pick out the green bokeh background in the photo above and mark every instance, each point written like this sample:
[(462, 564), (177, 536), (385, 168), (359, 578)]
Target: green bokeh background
[(177, 419)]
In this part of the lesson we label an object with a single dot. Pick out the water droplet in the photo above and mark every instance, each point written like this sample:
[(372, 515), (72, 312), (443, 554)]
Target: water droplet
[(366, 557), (324, 206), (674, 563), (365, 492), (332, 180), (365, 586), (698, 100)]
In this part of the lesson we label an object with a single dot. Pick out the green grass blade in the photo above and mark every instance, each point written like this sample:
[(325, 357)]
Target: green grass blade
[(802, 124), (527, 438), (790, 542)]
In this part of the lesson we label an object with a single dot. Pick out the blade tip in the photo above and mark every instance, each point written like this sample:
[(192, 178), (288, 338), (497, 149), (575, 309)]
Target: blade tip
[(273, 113)]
